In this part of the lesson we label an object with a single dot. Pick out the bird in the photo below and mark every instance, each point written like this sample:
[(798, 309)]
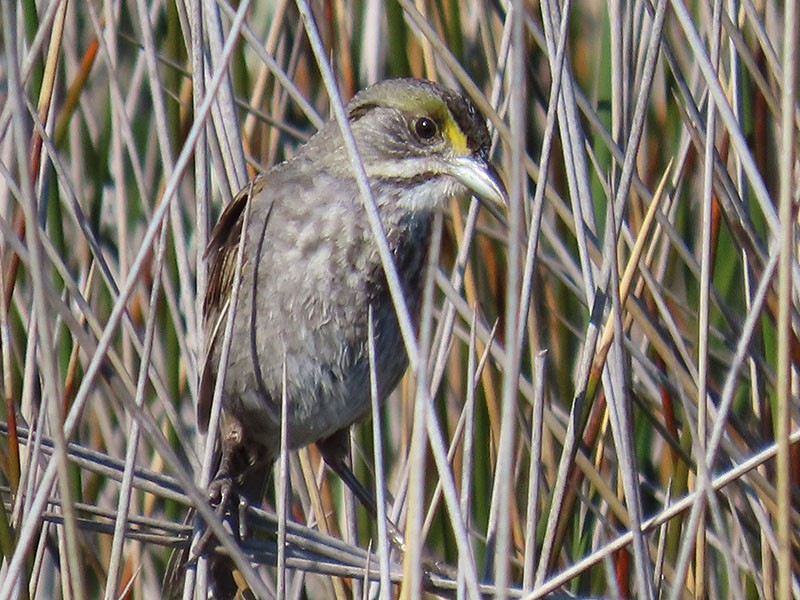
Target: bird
[(311, 276)]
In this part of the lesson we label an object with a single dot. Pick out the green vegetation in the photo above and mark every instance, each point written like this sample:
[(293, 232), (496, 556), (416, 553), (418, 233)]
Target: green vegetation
[(592, 451)]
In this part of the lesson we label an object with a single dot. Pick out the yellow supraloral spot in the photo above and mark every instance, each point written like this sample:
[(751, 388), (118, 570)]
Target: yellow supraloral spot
[(456, 137)]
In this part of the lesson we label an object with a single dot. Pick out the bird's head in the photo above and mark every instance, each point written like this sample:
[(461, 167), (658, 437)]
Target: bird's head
[(421, 143)]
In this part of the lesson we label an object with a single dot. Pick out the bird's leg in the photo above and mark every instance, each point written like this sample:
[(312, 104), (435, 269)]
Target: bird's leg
[(242, 474), (219, 492), (222, 488)]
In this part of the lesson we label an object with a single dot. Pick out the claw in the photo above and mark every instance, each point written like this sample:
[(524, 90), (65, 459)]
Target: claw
[(220, 490), (243, 506), (219, 493)]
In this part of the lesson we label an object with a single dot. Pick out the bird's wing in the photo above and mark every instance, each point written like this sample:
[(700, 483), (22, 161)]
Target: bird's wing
[(221, 256)]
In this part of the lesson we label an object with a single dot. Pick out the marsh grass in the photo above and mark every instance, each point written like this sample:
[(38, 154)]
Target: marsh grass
[(603, 399)]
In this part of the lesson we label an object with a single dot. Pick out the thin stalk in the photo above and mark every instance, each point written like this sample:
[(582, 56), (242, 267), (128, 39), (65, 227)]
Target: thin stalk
[(786, 203), (706, 271)]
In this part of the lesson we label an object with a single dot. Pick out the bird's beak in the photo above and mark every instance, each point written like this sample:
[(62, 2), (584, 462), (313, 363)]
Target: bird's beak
[(481, 179)]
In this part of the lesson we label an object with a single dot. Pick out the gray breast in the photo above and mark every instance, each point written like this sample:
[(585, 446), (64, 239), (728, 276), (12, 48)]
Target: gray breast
[(305, 302)]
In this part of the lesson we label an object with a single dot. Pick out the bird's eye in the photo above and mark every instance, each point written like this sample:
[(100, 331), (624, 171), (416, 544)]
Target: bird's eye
[(425, 128)]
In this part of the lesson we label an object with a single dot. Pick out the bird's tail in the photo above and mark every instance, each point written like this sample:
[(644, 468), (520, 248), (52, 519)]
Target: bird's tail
[(221, 570), (172, 586), (249, 486)]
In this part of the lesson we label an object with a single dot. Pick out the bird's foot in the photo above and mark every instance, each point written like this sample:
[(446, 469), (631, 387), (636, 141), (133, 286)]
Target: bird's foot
[(221, 491)]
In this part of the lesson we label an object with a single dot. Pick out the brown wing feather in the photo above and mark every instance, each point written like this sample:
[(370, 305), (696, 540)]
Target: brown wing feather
[(221, 257)]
